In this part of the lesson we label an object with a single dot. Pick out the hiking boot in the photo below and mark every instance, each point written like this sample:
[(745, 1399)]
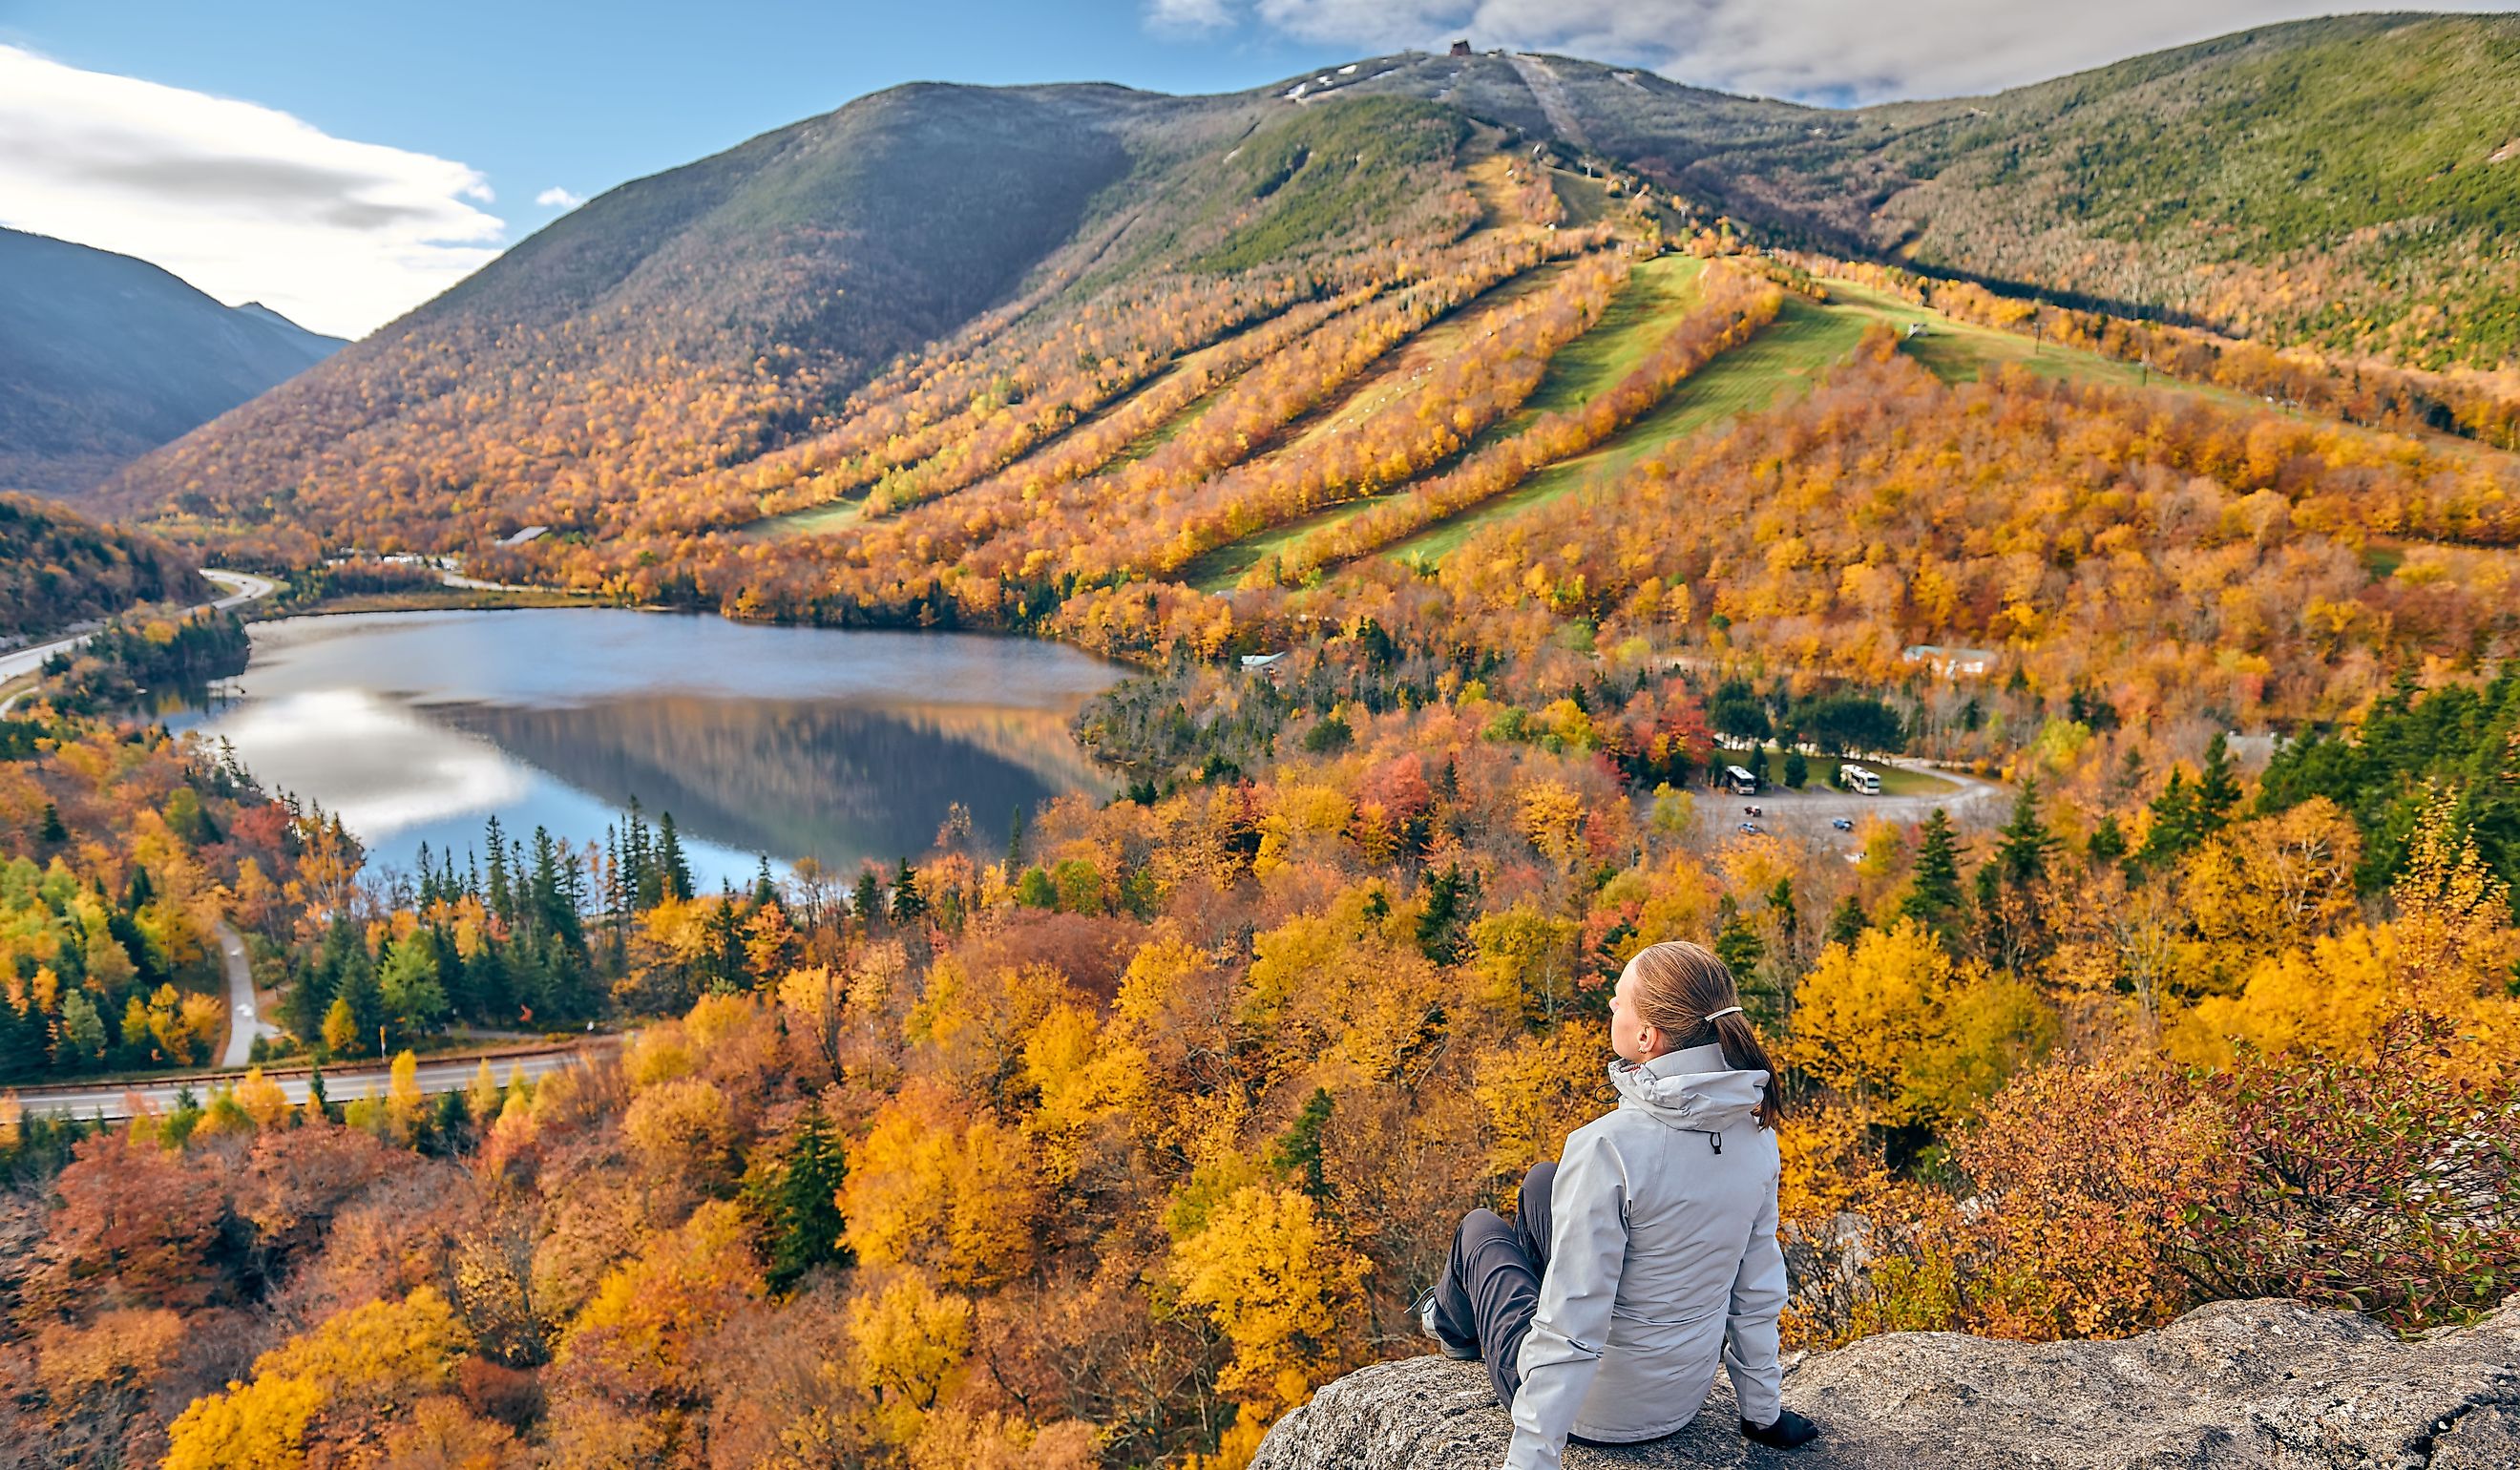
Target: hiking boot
[(1791, 1431), (1452, 1347)]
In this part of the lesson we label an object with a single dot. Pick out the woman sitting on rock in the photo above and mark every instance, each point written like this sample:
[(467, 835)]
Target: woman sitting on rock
[(1650, 1250)]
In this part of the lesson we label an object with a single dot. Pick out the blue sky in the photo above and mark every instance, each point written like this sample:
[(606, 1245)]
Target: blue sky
[(535, 94), (345, 160)]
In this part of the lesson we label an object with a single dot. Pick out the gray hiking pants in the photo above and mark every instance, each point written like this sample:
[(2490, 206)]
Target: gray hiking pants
[(1489, 1288)]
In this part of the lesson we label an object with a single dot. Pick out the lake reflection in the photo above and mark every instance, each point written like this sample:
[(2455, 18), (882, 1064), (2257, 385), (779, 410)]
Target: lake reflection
[(791, 741)]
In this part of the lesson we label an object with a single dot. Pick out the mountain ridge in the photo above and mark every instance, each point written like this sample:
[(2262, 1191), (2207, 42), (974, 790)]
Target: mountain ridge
[(677, 335), (105, 356)]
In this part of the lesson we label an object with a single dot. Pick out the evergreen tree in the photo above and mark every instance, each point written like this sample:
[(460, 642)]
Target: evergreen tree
[(1780, 905), (1739, 945), (1014, 839), (2107, 843), (799, 1204), (1443, 924), (302, 1009), (1298, 1151), (765, 888), (2023, 847), (1845, 921), (721, 967), (2175, 825), (1934, 887), (52, 833), (502, 897), (1797, 769), (908, 903), (673, 871), (2217, 788), (361, 998), (867, 901), (22, 1043), (487, 979)]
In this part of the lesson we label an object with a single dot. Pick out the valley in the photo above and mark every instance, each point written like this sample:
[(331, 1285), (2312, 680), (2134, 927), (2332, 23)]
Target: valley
[(1094, 690)]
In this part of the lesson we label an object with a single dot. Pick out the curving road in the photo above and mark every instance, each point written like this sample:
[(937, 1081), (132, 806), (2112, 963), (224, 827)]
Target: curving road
[(116, 1101), (243, 1023), (243, 588)]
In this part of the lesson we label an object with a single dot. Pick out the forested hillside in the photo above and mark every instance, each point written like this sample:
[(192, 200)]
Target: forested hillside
[(103, 358), (57, 568), (1475, 457)]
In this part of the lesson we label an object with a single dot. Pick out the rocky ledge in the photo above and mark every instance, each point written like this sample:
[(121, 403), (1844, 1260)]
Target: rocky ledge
[(2266, 1383)]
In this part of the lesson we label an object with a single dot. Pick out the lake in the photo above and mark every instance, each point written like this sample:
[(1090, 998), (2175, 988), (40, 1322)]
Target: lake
[(839, 744)]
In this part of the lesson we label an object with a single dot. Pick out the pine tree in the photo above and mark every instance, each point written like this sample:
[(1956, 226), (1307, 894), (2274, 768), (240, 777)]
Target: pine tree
[(2107, 843), (1845, 921), (1014, 839), (2022, 848), (674, 871), (1934, 887), (1298, 1151), (502, 898), (799, 1204), (2217, 788), (908, 903), (2175, 827), (361, 998), (867, 900), (52, 833)]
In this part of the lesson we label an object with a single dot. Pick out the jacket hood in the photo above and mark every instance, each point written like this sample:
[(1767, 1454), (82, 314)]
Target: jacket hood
[(1692, 1090)]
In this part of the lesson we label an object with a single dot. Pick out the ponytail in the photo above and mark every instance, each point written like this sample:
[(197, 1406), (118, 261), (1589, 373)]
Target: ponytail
[(1685, 992)]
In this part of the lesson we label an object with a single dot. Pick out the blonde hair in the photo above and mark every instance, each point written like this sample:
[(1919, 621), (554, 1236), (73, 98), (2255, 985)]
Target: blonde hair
[(1685, 992)]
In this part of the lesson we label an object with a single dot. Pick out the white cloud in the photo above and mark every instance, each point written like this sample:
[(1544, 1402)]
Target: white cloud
[(1188, 16), (557, 198), (244, 201), (1818, 50)]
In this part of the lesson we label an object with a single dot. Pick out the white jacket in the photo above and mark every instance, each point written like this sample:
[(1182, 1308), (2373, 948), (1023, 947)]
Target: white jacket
[(1662, 1257)]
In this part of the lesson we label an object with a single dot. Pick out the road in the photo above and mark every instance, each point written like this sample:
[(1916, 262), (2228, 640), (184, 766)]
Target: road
[(113, 1101), (243, 1024), (243, 588)]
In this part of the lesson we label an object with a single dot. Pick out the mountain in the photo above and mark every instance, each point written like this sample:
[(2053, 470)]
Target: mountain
[(896, 301), (2351, 182), (103, 358)]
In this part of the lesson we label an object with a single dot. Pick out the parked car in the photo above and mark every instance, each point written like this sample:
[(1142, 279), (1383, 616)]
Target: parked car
[(1752, 827), (1843, 824)]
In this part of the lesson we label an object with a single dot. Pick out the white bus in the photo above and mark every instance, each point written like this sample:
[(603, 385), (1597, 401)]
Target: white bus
[(1861, 778), (1742, 782)]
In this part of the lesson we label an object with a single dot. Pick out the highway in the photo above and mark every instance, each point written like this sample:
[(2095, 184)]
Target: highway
[(243, 588), (114, 1101)]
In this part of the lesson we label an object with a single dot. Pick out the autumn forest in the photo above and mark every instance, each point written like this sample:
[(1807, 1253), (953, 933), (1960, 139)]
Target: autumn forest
[(1467, 499)]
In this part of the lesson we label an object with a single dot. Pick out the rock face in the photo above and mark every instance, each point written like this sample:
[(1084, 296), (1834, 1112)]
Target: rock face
[(2266, 1383)]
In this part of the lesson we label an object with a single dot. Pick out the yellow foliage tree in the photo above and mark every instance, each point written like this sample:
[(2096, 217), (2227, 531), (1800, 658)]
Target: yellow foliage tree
[(650, 1313), (1898, 1026), (910, 1339), (358, 1365), (262, 1099), (954, 1193), (1277, 1281)]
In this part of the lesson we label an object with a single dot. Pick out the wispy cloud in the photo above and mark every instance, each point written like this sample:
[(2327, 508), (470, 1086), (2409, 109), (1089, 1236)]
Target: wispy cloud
[(244, 201), (1838, 51), (557, 198), (1189, 17)]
